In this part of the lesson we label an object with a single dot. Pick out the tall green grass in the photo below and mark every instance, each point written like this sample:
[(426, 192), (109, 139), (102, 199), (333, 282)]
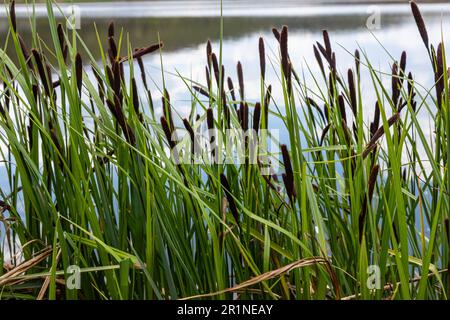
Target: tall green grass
[(91, 183)]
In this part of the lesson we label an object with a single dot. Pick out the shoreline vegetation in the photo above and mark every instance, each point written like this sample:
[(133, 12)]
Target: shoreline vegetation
[(98, 208)]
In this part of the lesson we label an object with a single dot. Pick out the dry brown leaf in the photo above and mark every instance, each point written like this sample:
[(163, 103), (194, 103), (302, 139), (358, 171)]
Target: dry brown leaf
[(265, 276), (24, 266)]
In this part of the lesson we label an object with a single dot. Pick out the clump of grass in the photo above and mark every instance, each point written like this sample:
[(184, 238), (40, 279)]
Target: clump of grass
[(91, 183)]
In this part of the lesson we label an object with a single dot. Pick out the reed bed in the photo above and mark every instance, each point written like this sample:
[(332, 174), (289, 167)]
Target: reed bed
[(355, 211)]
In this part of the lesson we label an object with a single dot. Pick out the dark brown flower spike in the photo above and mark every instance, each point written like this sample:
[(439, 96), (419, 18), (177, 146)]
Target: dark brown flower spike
[(110, 76), (244, 118), (215, 65), (324, 133), (25, 52), (276, 34), (226, 110), (420, 24), (111, 29), (378, 134), (289, 79), (240, 79), (117, 82), (222, 78), (262, 58), (208, 78), (79, 72), (411, 93), (135, 94), (55, 138), (142, 69), (352, 92), (376, 120), (289, 186), (395, 84), (42, 71), (268, 95), (30, 133), (208, 53), (288, 177), (331, 91), (368, 199), (240, 113), (372, 180), (210, 118), (311, 102), (113, 49), (347, 133), (326, 40), (410, 85), (319, 59), (35, 90), (23, 47), (342, 107), (230, 199), (439, 75), (116, 110), (62, 41), (256, 117), (231, 89), (403, 65), (216, 69), (122, 72), (210, 125), (167, 132), (191, 132), (101, 88), (447, 230), (284, 51), (202, 91), (143, 51), (12, 15), (61, 37), (65, 52), (333, 66), (323, 51), (267, 98)]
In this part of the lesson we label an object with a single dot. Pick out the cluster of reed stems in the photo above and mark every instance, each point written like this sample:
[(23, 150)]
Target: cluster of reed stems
[(90, 182)]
